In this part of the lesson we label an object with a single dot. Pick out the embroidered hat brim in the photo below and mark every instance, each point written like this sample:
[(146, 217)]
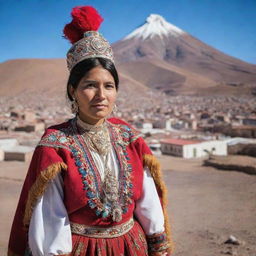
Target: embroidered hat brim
[(92, 45)]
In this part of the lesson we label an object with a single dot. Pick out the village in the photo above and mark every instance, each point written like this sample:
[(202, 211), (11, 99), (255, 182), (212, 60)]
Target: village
[(182, 126), (205, 145)]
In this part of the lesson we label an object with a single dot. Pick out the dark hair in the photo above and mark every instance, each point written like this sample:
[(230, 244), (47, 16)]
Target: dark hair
[(80, 70)]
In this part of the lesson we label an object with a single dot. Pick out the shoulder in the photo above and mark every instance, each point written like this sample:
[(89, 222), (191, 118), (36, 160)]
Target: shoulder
[(126, 131), (57, 136)]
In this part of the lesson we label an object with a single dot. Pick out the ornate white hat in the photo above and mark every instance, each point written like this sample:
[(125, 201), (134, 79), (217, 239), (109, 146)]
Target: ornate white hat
[(87, 41)]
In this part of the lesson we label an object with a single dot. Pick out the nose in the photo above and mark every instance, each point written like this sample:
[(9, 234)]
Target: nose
[(101, 93)]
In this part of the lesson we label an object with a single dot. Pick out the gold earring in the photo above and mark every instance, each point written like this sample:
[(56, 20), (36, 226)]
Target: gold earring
[(74, 106), (114, 110)]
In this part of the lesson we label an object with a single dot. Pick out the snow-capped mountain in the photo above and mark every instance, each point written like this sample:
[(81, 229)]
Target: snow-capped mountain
[(160, 48), (155, 25), (156, 55)]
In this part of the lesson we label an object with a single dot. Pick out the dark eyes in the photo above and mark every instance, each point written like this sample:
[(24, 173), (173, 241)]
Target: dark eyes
[(88, 86), (110, 86), (91, 85)]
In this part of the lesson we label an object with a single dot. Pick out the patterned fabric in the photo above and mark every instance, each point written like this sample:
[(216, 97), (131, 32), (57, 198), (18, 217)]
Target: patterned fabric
[(71, 138), (157, 242), (93, 45), (99, 232), (132, 243)]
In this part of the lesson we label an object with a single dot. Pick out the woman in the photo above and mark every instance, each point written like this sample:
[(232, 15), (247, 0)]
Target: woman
[(89, 189)]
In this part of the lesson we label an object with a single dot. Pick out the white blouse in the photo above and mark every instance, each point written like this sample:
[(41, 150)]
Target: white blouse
[(49, 229)]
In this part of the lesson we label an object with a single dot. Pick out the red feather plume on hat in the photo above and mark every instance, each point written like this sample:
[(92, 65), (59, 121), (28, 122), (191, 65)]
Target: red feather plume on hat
[(85, 18)]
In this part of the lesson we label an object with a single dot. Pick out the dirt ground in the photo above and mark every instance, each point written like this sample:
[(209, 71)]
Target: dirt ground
[(206, 206)]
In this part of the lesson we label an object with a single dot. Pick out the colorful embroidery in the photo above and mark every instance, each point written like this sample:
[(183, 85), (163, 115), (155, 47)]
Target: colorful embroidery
[(88, 171), (121, 136), (57, 139), (157, 242), (127, 134), (99, 232), (71, 139)]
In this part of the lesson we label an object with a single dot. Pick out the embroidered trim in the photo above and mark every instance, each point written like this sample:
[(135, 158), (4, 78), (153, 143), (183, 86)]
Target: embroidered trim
[(127, 134), (99, 232), (53, 146), (157, 242), (119, 142), (70, 138), (90, 174), (56, 139), (88, 171)]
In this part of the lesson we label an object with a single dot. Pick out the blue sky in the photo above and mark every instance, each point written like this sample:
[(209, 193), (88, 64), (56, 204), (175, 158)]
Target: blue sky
[(33, 28)]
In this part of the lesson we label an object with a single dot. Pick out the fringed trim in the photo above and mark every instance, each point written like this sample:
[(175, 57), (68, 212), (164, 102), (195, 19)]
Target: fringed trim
[(155, 169), (39, 187)]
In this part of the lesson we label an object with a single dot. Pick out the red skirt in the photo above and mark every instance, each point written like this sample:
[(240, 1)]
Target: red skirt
[(133, 243)]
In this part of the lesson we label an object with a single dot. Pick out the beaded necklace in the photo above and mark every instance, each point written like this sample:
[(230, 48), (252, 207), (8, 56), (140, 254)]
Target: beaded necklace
[(97, 138)]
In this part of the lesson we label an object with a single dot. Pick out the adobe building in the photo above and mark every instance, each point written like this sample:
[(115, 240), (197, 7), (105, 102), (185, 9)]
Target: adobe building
[(10, 150), (18, 153), (193, 148), (32, 127)]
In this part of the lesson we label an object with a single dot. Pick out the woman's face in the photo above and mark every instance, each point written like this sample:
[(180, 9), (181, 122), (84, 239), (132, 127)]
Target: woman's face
[(96, 95)]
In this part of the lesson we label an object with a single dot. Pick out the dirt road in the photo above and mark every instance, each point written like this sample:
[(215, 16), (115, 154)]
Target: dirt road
[(206, 206)]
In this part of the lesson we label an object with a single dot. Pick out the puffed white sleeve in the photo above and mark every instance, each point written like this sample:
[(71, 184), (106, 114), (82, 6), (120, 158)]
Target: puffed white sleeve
[(49, 229), (148, 208)]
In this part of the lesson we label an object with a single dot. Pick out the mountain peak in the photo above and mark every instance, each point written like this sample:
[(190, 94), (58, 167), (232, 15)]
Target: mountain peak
[(155, 25), (155, 18)]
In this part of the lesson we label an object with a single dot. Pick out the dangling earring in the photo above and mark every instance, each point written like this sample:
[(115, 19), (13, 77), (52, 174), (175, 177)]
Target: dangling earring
[(74, 106), (114, 110)]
